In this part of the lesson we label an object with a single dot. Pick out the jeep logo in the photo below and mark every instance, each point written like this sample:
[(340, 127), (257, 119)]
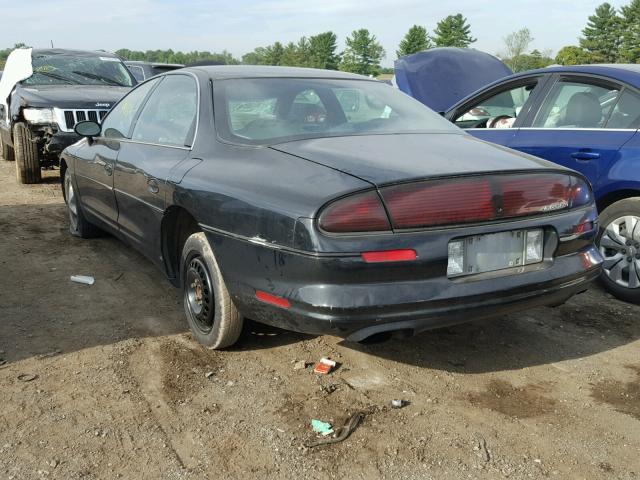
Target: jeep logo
[(104, 105)]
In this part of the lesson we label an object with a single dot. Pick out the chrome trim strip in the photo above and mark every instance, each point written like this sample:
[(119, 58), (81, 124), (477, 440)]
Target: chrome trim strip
[(127, 140)]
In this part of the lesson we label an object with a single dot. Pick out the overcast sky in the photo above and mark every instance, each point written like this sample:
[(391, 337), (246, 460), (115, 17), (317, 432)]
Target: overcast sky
[(241, 25)]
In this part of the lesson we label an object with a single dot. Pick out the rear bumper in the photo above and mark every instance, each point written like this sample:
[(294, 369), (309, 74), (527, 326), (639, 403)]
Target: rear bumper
[(337, 295), (431, 315)]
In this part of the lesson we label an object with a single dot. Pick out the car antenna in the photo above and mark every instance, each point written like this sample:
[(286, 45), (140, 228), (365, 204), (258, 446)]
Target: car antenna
[(51, 43)]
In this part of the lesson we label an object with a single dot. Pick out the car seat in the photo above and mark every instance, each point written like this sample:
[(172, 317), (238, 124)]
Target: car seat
[(583, 111)]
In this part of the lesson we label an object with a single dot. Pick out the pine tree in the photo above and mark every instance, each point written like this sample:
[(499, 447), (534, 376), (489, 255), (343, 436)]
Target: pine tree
[(416, 40), (630, 44), (323, 51), (453, 31), (273, 54), (603, 34), (363, 53)]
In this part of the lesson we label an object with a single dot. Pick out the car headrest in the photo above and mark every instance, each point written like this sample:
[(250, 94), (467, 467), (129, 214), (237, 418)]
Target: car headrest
[(583, 110)]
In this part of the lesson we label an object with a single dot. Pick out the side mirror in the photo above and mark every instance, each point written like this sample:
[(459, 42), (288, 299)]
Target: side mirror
[(87, 129)]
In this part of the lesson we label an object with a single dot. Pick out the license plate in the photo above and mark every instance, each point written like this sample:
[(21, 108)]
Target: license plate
[(494, 251)]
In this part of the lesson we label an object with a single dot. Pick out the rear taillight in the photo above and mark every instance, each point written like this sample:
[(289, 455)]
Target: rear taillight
[(362, 212), (454, 201), (439, 202), (482, 199)]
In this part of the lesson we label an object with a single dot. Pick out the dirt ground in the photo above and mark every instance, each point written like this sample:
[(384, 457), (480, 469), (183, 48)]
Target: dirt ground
[(121, 390)]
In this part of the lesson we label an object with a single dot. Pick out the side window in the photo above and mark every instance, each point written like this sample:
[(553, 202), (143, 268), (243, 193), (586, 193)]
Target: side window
[(118, 123), (571, 104), (137, 72), (626, 113), (169, 116), (499, 110)]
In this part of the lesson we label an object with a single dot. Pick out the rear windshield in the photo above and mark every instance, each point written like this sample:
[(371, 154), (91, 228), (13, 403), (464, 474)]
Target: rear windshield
[(275, 110), (78, 70)]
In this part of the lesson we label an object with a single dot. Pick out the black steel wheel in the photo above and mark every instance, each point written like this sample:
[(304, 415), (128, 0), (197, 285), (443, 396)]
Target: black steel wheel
[(199, 294), (212, 316)]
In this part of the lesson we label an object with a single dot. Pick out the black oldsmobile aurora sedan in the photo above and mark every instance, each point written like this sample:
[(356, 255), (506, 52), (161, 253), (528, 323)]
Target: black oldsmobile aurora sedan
[(325, 202)]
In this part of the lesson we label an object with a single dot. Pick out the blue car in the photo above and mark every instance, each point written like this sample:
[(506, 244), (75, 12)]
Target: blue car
[(582, 117)]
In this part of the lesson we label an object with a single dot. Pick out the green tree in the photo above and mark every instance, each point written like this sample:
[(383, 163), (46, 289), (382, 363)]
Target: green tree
[(516, 44), (531, 61), (256, 57), (363, 53), (273, 54), (169, 56), (296, 54), (416, 40), (603, 34), (453, 31), (572, 55), (322, 49), (630, 42)]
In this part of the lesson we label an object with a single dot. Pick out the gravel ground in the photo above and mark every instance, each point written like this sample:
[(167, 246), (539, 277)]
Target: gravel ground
[(121, 390)]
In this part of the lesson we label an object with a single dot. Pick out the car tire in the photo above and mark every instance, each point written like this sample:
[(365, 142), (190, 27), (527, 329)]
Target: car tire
[(213, 318), (619, 243), (26, 155), (6, 151), (79, 226)]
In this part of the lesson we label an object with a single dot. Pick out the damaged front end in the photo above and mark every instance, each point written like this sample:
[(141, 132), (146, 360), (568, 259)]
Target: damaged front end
[(52, 129)]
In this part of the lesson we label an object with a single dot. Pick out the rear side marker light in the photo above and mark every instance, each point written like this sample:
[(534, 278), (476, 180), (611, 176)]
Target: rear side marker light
[(583, 228), (390, 256), (272, 299)]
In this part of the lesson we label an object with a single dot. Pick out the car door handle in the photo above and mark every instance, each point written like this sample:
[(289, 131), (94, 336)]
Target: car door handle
[(108, 168), (585, 155), (152, 185)]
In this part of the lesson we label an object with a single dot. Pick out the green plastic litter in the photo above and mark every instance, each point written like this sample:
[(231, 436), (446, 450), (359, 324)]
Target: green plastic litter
[(323, 428)]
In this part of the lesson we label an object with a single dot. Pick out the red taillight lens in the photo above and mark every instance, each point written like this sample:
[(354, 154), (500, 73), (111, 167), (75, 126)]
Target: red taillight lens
[(439, 202), (531, 194), (389, 256), (481, 199), (359, 213)]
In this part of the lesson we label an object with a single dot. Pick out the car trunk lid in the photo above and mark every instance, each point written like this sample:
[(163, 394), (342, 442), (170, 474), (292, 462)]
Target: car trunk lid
[(393, 158)]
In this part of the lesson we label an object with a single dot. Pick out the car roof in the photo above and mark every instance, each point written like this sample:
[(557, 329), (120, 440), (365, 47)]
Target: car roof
[(77, 53), (153, 64), (623, 72), (222, 72)]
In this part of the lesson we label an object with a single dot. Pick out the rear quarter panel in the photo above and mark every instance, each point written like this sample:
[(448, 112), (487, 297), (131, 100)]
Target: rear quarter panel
[(259, 193)]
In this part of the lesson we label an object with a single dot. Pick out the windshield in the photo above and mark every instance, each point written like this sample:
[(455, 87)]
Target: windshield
[(78, 70), (275, 110)]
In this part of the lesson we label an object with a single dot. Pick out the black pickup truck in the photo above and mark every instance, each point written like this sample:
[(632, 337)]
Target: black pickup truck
[(41, 108)]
